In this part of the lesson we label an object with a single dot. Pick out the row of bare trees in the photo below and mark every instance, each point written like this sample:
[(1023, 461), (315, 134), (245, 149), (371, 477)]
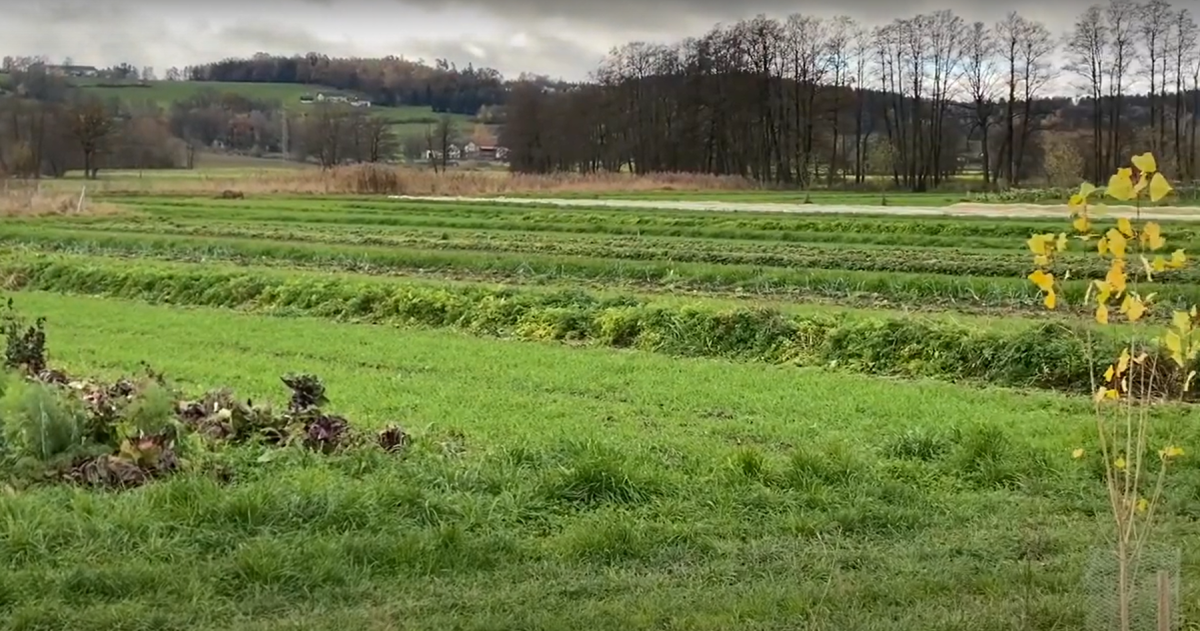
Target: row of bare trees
[(803, 100), (47, 128), (50, 137)]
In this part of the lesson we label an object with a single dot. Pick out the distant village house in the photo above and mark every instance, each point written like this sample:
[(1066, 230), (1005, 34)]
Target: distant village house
[(73, 71)]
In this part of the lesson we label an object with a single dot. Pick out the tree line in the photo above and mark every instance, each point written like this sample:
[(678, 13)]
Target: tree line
[(387, 81), (49, 127), (804, 100)]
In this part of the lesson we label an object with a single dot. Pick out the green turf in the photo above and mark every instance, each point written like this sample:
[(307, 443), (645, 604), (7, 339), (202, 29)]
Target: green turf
[(558, 488)]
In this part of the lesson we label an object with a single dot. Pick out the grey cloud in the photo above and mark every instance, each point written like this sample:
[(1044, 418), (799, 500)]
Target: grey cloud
[(560, 37), (687, 15)]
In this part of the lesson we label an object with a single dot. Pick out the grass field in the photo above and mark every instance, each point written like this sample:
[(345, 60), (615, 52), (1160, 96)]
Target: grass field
[(622, 419)]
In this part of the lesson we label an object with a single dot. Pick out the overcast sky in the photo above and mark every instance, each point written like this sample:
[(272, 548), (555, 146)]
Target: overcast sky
[(561, 38)]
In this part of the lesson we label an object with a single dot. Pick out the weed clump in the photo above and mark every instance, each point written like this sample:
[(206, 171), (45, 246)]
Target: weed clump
[(127, 432)]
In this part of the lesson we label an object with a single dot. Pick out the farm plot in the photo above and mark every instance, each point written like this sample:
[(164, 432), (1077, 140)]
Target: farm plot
[(616, 490)]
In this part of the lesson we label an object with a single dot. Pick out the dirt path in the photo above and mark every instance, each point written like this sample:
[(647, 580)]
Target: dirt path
[(955, 210)]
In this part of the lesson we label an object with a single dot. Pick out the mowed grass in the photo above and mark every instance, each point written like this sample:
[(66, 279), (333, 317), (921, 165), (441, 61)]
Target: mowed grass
[(558, 488)]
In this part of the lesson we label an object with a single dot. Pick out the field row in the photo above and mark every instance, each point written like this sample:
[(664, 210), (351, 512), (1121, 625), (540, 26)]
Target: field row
[(966, 279), (1046, 355)]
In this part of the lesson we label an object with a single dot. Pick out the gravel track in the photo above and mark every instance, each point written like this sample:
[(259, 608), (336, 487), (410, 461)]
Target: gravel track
[(954, 210)]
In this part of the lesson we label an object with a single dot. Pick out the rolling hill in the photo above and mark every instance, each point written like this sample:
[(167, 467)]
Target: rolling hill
[(410, 119)]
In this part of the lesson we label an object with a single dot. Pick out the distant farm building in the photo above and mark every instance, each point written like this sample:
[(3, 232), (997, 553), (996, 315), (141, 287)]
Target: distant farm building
[(484, 152), (335, 98)]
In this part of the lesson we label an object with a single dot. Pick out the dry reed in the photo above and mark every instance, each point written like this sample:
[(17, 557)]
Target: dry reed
[(29, 199), (370, 179)]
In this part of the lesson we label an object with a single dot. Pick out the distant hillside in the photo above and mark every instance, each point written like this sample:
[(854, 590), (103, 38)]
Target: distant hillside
[(442, 86), (411, 119)]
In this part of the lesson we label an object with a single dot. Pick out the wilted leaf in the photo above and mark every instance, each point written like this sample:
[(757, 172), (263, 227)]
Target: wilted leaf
[(1146, 267), (1125, 227)]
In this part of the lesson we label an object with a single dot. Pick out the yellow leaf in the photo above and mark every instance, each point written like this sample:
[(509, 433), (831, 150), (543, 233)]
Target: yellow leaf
[(1041, 260), (1174, 345), (1178, 259), (1120, 185), (1051, 300), (1119, 464), (1076, 200), (1187, 383), (1110, 373), (1145, 163), (1182, 320), (1077, 454), (1040, 243), (1142, 505), (1159, 187), (1061, 244), (1101, 394), (1086, 189), (1159, 264), (1116, 243), (1102, 314), (1044, 281), (1112, 394), (1171, 452), (1123, 362), (1125, 226), (1081, 224), (1116, 276), (1102, 246), (1152, 236), (1133, 308), (1140, 185)]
